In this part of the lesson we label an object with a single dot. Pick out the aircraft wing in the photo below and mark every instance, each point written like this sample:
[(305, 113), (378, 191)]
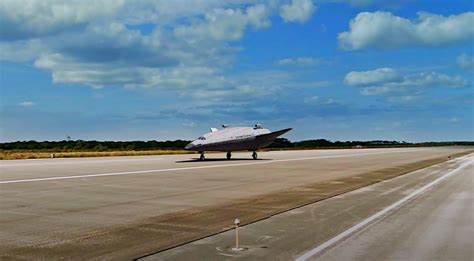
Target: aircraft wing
[(273, 135)]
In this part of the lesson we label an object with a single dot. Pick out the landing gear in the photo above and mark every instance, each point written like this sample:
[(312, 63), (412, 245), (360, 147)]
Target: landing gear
[(202, 156), (254, 155), (229, 155)]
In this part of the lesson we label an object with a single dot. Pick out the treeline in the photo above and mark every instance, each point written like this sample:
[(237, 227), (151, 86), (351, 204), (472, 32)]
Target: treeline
[(280, 143), (322, 143), (93, 145)]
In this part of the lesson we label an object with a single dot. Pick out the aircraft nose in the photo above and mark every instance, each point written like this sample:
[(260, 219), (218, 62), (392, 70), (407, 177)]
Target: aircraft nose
[(189, 146)]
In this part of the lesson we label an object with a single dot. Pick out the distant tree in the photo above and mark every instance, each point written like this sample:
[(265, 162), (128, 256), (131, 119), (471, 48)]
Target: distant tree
[(93, 145), (281, 143), (314, 143)]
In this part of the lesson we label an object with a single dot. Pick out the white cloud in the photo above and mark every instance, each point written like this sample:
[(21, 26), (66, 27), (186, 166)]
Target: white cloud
[(22, 19), (358, 2), (385, 30), (404, 99), (311, 99), (21, 51), (187, 47), (386, 80), (189, 124), (300, 61), (465, 61), (370, 77), (98, 75), (226, 24), (298, 11), (454, 120), (375, 90), (27, 104), (316, 100), (363, 3)]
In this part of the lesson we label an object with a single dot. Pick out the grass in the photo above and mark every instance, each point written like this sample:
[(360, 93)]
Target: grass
[(8, 155)]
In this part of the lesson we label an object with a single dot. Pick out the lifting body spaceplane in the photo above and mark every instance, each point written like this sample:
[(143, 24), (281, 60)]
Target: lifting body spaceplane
[(230, 139)]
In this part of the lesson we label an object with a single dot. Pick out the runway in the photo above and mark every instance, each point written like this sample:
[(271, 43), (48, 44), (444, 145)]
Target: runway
[(424, 215), (127, 207)]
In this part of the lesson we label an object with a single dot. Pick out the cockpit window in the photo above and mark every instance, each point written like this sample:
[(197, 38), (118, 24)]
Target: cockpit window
[(201, 138)]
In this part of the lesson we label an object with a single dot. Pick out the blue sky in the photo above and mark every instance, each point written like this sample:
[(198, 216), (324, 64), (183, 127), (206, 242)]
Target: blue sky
[(142, 70)]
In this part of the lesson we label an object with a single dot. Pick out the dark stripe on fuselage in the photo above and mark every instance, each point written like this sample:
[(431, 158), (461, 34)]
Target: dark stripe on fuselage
[(252, 143)]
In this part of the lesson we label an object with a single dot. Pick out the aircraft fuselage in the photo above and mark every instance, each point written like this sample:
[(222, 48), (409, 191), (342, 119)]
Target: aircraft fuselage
[(235, 138)]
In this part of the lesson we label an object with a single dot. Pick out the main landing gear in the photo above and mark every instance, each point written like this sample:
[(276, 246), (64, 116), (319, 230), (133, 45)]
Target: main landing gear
[(228, 155)]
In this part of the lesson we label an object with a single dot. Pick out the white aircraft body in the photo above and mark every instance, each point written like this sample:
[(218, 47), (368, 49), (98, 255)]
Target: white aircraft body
[(236, 138)]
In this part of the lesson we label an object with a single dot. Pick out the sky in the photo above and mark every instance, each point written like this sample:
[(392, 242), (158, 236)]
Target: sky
[(165, 70)]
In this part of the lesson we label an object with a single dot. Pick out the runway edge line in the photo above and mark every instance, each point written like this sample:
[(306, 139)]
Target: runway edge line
[(382, 212)]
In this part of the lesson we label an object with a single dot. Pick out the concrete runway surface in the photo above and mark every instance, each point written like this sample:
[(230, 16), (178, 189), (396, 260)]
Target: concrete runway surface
[(434, 222), (127, 207)]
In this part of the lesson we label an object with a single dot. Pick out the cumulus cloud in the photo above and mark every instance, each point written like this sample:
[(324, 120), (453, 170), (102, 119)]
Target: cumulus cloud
[(98, 75), (386, 80), (186, 49), (465, 61), (115, 44), (27, 104), (22, 19), (376, 76), (226, 24), (21, 51), (300, 61), (385, 30), (297, 11)]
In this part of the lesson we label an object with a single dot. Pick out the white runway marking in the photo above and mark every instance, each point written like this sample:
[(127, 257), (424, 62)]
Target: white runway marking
[(404, 185), (67, 161), (75, 161), (381, 213), (186, 168)]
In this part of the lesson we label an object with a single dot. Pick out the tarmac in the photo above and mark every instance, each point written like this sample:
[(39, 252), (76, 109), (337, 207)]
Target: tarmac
[(131, 207), (433, 224)]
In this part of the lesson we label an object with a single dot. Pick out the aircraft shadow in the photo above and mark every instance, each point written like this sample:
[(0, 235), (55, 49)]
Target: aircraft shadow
[(218, 159)]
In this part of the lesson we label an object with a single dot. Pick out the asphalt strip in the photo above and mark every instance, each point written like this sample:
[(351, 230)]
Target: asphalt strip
[(377, 216), (186, 168)]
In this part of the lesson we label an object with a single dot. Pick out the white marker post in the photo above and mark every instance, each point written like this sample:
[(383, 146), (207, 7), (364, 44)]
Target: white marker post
[(237, 223)]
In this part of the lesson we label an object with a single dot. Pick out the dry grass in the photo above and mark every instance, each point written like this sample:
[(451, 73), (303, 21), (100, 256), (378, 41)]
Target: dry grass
[(8, 155)]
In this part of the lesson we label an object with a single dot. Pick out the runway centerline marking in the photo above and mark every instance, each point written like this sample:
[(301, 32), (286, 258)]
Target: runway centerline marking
[(187, 168), (380, 214)]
